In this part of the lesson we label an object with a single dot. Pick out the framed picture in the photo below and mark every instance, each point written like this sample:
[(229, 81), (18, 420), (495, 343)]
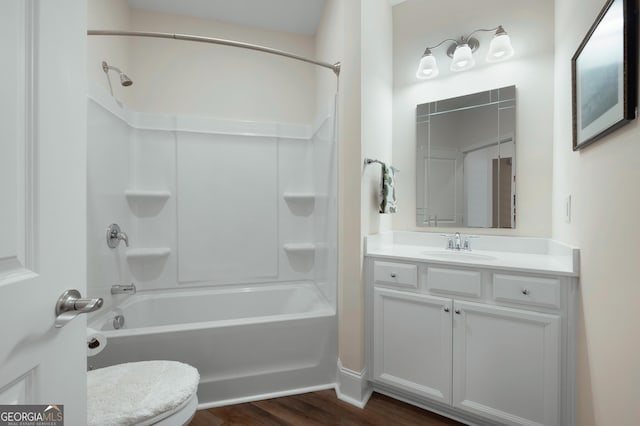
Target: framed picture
[(604, 74)]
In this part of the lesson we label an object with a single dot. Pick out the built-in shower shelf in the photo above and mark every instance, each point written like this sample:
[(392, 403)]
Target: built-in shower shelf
[(299, 196), (140, 194), (299, 247), (148, 253)]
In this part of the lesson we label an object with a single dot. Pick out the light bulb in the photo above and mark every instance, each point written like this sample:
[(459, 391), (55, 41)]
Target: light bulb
[(462, 58), (428, 67), (500, 48)]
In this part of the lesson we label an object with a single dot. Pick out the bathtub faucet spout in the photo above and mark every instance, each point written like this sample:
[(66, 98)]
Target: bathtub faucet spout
[(123, 289)]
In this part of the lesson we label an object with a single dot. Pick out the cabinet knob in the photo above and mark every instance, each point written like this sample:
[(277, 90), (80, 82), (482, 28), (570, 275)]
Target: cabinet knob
[(446, 309), (457, 311), (393, 275), (525, 291)]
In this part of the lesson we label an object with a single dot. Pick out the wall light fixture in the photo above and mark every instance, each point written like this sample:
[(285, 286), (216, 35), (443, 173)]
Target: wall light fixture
[(461, 52)]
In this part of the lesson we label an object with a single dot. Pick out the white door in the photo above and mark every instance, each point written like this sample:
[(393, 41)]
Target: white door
[(506, 364), (42, 201), (412, 342), (445, 189)]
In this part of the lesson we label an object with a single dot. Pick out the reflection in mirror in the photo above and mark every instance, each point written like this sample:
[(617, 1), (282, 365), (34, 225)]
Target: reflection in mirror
[(465, 174)]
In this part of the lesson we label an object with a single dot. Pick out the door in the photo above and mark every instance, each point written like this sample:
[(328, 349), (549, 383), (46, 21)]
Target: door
[(412, 342), (506, 364), (445, 191), (42, 202), (501, 192)]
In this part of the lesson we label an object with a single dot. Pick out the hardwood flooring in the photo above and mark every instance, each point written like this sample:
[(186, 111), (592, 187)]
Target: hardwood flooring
[(319, 409)]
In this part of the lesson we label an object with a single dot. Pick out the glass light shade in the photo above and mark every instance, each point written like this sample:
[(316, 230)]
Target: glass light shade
[(500, 48), (428, 68), (462, 58)]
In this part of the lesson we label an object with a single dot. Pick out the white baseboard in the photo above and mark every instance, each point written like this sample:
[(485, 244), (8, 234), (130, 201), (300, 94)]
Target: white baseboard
[(260, 397), (352, 386)]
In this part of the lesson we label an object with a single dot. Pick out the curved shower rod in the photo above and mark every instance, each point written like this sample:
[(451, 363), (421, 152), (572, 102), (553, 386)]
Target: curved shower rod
[(335, 67)]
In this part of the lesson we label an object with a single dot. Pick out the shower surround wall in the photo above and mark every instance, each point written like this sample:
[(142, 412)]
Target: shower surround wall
[(209, 202), (215, 83)]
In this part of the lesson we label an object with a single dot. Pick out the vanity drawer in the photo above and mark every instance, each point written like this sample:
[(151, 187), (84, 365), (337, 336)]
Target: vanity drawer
[(527, 290), (454, 281), (392, 273)]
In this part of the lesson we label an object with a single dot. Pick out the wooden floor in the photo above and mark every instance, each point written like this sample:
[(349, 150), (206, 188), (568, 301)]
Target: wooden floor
[(319, 408)]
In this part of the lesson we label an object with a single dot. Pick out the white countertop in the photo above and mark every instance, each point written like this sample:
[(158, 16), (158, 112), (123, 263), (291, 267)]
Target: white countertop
[(519, 254)]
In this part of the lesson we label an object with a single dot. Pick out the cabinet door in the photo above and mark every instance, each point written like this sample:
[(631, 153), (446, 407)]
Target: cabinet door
[(506, 364), (412, 342)]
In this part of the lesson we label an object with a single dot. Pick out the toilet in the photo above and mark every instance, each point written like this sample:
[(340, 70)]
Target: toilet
[(142, 393)]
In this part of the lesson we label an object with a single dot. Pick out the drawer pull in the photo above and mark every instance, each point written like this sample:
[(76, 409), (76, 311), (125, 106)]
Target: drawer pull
[(525, 291), (446, 309), (457, 311), (393, 275)]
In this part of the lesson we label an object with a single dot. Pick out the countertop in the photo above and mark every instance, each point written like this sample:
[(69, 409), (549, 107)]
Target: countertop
[(518, 254)]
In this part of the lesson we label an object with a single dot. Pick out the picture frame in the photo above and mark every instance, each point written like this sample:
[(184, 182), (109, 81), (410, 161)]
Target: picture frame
[(604, 74)]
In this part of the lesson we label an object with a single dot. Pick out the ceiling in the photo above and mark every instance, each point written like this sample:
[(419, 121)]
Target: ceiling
[(296, 16)]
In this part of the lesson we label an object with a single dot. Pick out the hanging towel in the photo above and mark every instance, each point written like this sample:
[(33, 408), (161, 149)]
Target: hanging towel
[(388, 190)]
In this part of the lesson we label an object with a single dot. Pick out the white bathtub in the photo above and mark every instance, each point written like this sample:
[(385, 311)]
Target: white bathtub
[(248, 343)]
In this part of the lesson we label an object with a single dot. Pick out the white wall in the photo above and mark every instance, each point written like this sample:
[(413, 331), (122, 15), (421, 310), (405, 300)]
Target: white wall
[(204, 79), (338, 39), (417, 24), (601, 180), (109, 15), (108, 176), (358, 34), (376, 115), (177, 77)]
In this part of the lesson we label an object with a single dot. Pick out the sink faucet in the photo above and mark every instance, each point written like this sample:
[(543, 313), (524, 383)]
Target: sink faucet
[(123, 289), (457, 242)]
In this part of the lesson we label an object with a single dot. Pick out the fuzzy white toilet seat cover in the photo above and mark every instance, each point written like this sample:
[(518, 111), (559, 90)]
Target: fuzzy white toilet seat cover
[(128, 394)]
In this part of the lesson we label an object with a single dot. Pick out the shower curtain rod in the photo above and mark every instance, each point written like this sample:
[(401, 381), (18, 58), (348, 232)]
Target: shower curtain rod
[(335, 67)]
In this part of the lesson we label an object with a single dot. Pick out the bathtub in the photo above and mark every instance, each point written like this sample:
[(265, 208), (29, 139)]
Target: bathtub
[(248, 343)]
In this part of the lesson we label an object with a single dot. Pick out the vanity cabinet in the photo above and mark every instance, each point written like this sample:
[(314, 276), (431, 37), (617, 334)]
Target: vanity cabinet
[(413, 342), (481, 345), (506, 364)]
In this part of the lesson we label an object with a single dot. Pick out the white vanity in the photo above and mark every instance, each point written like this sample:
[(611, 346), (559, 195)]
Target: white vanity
[(486, 336)]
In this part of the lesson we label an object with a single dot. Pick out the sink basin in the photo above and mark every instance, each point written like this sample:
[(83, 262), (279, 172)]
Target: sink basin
[(457, 255)]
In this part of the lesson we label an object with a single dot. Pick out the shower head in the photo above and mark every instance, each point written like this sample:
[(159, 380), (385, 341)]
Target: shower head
[(124, 79)]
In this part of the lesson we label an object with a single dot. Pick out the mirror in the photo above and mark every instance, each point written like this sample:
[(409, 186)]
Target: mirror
[(465, 174)]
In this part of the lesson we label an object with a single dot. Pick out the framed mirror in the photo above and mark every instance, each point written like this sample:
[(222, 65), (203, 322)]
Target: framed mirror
[(466, 165)]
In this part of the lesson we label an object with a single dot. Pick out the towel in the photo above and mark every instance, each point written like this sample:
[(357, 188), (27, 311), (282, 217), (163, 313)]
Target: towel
[(388, 190), (132, 393)]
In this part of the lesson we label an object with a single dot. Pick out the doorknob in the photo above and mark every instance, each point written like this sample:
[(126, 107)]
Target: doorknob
[(70, 304)]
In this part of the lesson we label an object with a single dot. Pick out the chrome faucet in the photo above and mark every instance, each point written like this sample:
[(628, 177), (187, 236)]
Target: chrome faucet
[(115, 235), (457, 242), (123, 289)]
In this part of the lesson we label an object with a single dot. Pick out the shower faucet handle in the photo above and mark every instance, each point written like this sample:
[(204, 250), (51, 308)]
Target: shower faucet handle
[(115, 235)]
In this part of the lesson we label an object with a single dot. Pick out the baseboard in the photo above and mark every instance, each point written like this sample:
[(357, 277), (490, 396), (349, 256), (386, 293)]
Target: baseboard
[(252, 398), (353, 387)]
